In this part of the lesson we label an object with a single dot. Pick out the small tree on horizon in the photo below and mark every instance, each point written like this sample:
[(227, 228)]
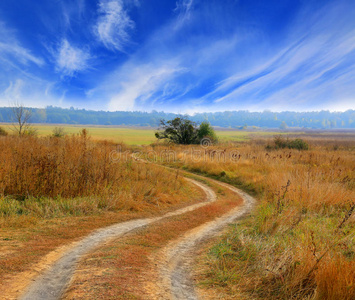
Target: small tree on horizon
[(21, 117), (180, 130), (183, 131), (206, 131)]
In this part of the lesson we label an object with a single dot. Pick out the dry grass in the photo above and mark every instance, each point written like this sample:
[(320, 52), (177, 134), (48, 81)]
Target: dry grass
[(46, 177), (301, 236), (120, 269), (53, 191)]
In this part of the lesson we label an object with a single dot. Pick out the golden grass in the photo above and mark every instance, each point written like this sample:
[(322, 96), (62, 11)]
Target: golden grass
[(47, 177), (53, 191), (302, 229)]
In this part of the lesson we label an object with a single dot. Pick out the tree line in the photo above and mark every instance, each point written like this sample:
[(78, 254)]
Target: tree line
[(227, 119)]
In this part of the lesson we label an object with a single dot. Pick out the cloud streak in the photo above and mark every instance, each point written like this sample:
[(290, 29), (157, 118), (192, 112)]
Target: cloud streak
[(182, 55), (311, 70), (113, 25), (12, 51)]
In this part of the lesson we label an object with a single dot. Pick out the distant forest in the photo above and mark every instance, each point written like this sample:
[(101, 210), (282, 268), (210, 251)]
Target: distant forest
[(227, 119)]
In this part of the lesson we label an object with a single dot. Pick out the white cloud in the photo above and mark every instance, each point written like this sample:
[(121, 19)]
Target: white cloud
[(14, 90), (70, 59), (305, 74), (140, 84), (113, 25), (28, 91)]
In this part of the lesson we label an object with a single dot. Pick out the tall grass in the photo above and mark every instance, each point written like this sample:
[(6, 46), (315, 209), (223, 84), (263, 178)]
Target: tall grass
[(73, 175), (299, 242)]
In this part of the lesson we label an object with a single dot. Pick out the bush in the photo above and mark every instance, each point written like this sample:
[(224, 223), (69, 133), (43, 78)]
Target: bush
[(3, 132), (58, 132), (298, 144), (206, 130), (282, 143), (30, 131)]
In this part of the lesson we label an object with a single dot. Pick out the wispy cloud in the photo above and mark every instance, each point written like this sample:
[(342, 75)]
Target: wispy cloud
[(113, 25), (28, 91), (184, 55), (11, 49), (137, 84), (72, 9), (315, 67), (70, 59), (183, 9)]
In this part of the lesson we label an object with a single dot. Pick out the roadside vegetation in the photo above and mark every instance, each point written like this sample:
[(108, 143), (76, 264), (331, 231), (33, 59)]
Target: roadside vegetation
[(51, 177), (299, 242), (54, 190)]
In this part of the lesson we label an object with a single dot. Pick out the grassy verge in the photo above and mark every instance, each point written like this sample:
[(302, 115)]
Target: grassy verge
[(54, 191), (299, 243)]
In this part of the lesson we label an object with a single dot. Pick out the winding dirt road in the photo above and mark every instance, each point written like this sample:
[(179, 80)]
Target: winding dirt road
[(53, 283), (173, 261)]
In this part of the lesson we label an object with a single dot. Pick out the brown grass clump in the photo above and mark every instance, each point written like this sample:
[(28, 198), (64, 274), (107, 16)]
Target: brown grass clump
[(301, 235), (55, 190), (72, 175)]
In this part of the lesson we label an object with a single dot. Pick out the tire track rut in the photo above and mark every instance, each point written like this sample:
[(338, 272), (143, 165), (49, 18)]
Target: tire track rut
[(53, 283), (175, 260)]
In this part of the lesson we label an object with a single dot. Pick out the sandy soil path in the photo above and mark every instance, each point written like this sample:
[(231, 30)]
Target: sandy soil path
[(173, 263), (53, 283)]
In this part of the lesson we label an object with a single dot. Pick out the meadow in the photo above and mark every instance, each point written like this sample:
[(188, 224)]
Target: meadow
[(129, 136), (299, 242), (139, 135), (56, 190)]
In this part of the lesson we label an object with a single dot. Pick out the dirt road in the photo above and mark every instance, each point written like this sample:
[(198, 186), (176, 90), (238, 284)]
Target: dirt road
[(173, 261), (53, 283)]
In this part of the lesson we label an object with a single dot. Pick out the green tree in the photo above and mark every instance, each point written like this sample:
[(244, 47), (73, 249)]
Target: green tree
[(206, 131), (179, 130)]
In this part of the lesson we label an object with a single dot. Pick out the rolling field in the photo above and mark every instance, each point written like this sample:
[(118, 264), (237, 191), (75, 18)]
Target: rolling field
[(298, 238), (130, 136), (143, 135)]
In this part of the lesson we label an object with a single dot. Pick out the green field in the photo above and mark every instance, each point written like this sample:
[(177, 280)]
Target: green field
[(130, 136), (136, 135)]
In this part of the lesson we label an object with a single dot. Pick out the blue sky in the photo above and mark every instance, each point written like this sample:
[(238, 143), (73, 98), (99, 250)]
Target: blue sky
[(182, 56)]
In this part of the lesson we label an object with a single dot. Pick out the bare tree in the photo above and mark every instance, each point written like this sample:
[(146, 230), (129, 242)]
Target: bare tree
[(21, 117)]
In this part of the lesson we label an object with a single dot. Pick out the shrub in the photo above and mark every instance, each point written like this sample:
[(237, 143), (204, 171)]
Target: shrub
[(58, 132), (3, 132), (282, 143), (298, 144), (206, 130)]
